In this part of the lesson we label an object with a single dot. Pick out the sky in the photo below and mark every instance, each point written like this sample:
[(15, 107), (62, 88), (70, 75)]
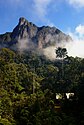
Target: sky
[(66, 15)]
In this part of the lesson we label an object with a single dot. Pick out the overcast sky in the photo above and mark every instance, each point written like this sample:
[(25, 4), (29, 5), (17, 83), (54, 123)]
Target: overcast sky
[(67, 15)]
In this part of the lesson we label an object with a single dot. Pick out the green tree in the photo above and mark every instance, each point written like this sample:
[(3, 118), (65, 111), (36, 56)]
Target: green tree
[(61, 53)]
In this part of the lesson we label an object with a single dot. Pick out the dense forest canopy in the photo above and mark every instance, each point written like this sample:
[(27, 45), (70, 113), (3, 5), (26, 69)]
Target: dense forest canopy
[(28, 86)]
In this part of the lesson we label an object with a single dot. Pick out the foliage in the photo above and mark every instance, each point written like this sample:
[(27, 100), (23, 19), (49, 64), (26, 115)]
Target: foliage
[(61, 52), (21, 72)]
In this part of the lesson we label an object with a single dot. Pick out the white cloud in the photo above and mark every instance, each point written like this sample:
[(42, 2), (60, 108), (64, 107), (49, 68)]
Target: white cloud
[(76, 48), (41, 8), (80, 29), (49, 52), (76, 3)]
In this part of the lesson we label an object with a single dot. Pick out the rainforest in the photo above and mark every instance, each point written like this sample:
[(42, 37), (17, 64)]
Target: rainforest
[(28, 86)]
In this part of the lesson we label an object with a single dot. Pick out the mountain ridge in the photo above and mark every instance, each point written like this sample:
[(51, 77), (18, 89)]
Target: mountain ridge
[(28, 34)]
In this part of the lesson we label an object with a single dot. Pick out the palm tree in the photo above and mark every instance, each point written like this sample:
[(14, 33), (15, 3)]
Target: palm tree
[(61, 53)]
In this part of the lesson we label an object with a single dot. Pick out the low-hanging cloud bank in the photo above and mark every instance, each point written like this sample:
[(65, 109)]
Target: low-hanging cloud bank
[(50, 52), (74, 48)]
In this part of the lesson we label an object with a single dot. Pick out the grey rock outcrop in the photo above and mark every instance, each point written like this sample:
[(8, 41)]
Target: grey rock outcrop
[(41, 37)]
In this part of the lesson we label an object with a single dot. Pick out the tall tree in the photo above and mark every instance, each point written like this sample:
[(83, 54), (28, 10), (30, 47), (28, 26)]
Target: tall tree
[(61, 53)]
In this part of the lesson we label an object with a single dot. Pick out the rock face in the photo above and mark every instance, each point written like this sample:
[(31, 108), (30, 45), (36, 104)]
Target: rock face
[(28, 33), (23, 30)]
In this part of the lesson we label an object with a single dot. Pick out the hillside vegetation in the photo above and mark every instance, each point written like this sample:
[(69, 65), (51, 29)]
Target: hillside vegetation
[(28, 87)]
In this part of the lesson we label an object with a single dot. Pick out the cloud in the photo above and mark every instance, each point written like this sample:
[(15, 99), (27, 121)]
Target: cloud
[(76, 48), (76, 3), (80, 29), (41, 8), (49, 52), (25, 44)]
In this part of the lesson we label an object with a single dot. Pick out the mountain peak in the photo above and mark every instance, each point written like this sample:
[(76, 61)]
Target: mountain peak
[(41, 37), (22, 21)]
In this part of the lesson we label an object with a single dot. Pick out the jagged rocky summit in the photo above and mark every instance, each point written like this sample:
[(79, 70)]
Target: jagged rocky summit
[(26, 35)]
